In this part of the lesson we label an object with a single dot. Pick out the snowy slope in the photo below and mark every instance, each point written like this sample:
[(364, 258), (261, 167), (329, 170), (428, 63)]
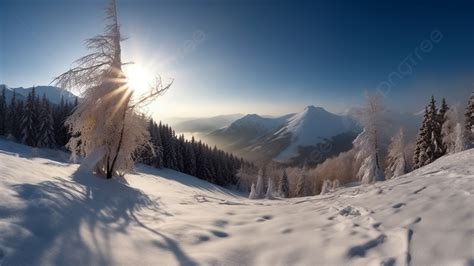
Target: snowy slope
[(245, 131), (51, 213), (313, 125)]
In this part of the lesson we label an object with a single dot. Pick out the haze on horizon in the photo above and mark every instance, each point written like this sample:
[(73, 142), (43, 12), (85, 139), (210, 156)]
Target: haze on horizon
[(270, 57)]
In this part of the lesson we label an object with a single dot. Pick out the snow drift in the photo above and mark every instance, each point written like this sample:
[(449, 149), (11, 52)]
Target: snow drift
[(52, 213)]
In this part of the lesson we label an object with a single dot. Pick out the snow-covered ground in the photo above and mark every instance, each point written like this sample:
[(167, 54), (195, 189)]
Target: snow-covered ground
[(52, 213)]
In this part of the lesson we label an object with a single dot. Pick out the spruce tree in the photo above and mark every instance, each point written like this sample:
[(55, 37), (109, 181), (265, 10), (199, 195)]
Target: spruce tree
[(442, 117), (3, 113), (436, 145), (420, 157), (46, 129), (29, 121), (469, 123)]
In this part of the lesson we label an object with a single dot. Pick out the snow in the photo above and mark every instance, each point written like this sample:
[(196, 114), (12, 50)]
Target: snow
[(53, 213), (311, 126)]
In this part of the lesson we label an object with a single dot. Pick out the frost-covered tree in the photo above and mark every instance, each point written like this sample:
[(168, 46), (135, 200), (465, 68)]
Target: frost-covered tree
[(429, 144), (270, 189), (260, 187), (303, 186), (106, 127), (253, 192), (367, 143), (284, 185), (46, 129), (469, 123), (396, 162), (453, 134)]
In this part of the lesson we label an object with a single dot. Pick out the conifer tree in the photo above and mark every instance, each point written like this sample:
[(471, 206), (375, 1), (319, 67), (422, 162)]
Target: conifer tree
[(469, 122), (3, 113), (423, 142), (30, 121), (46, 130)]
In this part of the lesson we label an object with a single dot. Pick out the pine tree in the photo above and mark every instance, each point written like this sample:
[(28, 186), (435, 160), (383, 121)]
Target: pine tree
[(421, 155), (469, 123), (29, 121), (46, 130), (284, 185), (442, 117), (396, 163), (17, 111), (437, 147), (3, 113)]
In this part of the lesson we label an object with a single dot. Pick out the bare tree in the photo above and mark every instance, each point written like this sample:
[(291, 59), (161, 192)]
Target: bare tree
[(106, 126)]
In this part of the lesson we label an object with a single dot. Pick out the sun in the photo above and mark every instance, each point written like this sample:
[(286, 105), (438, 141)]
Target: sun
[(139, 79)]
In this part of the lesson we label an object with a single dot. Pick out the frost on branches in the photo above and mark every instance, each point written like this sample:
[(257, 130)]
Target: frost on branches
[(396, 162), (367, 144), (106, 123)]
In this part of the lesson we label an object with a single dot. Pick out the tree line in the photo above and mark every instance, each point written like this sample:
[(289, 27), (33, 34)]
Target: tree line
[(35, 121), (375, 156), (189, 156)]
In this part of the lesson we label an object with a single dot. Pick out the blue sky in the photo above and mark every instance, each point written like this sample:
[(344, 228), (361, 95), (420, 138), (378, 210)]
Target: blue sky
[(267, 57)]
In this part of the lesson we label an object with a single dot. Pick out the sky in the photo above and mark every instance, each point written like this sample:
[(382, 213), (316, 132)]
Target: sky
[(265, 57)]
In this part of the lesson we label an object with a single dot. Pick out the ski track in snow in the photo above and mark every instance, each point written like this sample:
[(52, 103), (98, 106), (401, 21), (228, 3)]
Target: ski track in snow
[(53, 213)]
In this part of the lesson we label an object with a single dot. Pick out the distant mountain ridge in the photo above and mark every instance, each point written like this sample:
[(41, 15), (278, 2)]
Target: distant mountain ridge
[(53, 94), (285, 138)]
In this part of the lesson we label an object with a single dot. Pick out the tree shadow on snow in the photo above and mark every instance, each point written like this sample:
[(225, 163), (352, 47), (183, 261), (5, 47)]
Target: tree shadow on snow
[(61, 212)]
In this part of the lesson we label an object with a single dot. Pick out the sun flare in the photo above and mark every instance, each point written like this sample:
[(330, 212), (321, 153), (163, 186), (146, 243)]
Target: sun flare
[(139, 79)]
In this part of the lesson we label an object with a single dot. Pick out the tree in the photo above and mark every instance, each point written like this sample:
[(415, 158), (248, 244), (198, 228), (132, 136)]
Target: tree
[(302, 187), (270, 189), (259, 189), (46, 131), (423, 143), (469, 123), (253, 192), (3, 113), (396, 163), (15, 117), (367, 143), (284, 185), (430, 146), (105, 125), (437, 146), (442, 117), (454, 138), (29, 134)]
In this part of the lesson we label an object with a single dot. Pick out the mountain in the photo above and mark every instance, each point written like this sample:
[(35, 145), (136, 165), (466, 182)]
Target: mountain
[(245, 131), (52, 213), (54, 94), (204, 124), (286, 138)]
